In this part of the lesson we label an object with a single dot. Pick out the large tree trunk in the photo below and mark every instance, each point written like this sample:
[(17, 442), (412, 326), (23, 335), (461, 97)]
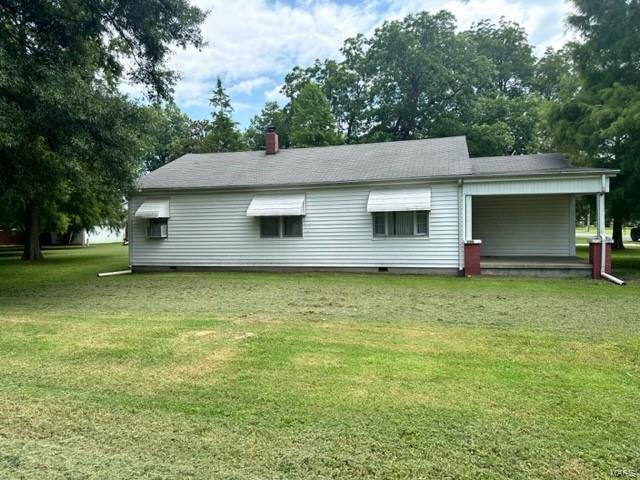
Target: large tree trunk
[(617, 234), (32, 233)]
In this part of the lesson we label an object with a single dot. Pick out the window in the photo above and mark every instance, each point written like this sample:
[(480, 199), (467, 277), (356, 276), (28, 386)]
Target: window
[(401, 224), (279, 227), (269, 226), (292, 226), (158, 228), (379, 223)]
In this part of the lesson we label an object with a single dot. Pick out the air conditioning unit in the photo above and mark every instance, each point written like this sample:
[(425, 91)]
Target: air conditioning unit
[(158, 228)]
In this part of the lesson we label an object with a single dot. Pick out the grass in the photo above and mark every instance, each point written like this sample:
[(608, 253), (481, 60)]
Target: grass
[(626, 230), (247, 375)]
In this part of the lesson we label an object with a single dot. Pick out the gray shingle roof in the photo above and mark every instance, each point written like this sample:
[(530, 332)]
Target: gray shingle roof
[(534, 164), (411, 159), (517, 163), (317, 165)]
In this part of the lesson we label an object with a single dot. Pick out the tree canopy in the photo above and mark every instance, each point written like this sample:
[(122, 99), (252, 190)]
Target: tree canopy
[(599, 121), (270, 116), (312, 124), (418, 78), (222, 132), (70, 143)]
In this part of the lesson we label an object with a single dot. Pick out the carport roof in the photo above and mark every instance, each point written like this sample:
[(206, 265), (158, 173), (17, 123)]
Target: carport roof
[(539, 163)]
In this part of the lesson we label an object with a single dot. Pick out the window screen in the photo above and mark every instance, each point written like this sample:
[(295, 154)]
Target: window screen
[(292, 226), (289, 226), (269, 226), (379, 224), (422, 223), (401, 224)]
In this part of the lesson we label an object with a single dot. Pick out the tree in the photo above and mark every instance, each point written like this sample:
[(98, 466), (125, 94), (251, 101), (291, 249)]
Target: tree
[(507, 47), (555, 77), (311, 121), (600, 121), (423, 76), (503, 125), (222, 134), (343, 83), (172, 134), (69, 142), (418, 78), (270, 116)]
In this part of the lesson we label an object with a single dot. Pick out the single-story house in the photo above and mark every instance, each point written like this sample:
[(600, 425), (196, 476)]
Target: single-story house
[(407, 206)]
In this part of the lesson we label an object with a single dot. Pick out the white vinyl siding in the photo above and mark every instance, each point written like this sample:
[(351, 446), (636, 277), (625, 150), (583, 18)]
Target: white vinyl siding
[(524, 225), (212, 229)]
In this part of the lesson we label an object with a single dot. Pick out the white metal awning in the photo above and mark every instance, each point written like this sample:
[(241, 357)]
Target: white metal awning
[(153, 209), (291, 204), (399, 200)]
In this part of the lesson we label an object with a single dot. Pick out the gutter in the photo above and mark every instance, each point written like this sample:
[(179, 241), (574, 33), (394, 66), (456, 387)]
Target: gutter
[(460, 226), (111, 274), (603, 259), (560, 174)]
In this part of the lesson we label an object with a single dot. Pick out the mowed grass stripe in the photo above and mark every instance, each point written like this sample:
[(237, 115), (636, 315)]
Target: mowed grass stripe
[(245, 375)]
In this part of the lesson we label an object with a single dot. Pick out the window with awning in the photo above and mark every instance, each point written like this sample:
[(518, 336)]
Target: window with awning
[(284, 205), (400, 212), (399, 200), (401, 224), (153, 209)]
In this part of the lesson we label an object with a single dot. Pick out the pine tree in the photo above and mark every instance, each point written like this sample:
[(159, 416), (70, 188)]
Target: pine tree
[(311, 121), (223, 134)]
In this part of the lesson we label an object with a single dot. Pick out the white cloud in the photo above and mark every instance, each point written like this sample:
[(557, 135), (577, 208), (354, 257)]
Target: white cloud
[(244, 106), (542, 19), (274, 95), (248, 86), (252, 43), (252, 39)]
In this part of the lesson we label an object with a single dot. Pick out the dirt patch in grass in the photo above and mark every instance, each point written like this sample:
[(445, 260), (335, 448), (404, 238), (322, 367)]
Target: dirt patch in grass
[(202, 334), (318, 360), (202, 366)]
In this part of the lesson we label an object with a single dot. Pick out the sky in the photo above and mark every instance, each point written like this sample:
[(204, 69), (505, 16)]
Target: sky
[(253, 44)]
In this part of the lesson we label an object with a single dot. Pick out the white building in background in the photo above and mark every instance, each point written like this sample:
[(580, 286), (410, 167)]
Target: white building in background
[(96, 236)]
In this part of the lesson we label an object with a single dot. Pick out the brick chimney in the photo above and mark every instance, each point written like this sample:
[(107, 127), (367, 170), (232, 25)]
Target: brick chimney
[(271, 141)]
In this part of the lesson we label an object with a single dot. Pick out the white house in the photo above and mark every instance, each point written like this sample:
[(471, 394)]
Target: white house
[(89, 237), (409, 206)]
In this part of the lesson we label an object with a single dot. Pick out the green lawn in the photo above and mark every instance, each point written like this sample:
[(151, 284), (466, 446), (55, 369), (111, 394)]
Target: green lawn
[(246, 375)]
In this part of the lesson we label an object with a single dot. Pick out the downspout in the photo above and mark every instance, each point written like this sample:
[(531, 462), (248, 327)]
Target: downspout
[(460, 227), (603, 238)]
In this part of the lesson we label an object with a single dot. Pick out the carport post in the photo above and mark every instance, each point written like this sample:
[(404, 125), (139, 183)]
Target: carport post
[(600, 213), (600, 246), (471, 246), (468, 223)]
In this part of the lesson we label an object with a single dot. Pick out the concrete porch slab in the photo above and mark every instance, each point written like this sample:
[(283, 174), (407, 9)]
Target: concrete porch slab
[(535, 266)]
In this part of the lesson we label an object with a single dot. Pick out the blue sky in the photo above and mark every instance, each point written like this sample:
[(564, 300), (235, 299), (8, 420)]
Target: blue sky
[(252, 44)]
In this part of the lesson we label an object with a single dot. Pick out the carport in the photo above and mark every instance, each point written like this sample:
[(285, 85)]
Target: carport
[(526, 225)]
